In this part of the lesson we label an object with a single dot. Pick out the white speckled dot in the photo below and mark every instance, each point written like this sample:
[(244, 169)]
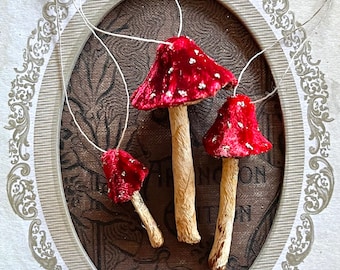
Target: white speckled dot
[(183, 93), (240, 103), (226, 147), (192, 61), (202, 86), (214, 139), (248, 145)]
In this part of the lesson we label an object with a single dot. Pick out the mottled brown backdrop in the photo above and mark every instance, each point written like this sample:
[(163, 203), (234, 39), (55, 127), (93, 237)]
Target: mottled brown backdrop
[(112, 234)]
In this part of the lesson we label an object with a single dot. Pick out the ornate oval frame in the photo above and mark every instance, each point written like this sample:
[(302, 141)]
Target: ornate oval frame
[(34, 184)]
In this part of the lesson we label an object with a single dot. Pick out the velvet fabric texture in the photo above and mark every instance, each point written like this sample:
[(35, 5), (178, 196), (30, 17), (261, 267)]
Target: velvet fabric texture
[(124, 174), (235, 133), (181, 74)]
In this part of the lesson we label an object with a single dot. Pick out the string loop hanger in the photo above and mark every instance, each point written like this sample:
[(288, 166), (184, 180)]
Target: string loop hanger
[(86, 20), (293, 56), (92, 28), (66, 94)]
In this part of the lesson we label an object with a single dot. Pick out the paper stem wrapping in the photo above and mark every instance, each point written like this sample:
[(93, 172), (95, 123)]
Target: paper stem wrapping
[(125, 176), (154, 233), (219, 254), (184, 176)]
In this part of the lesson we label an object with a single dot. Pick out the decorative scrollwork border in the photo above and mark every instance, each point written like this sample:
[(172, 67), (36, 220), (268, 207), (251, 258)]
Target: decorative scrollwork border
[(21, 188), (320, 182)]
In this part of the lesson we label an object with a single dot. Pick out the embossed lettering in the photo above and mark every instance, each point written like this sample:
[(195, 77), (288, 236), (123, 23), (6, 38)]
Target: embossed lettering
[(245, 175), (207, 176), (260, 174), (248, 175), (243, 213), (207, 214), (162, 172)]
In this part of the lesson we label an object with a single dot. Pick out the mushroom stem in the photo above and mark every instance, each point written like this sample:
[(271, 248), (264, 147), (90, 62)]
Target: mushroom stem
[(184, 176), (219, 254), (155, 235)]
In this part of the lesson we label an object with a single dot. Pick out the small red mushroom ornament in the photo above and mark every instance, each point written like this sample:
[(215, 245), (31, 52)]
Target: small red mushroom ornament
[(234, 134), (125, 176), (182, 74)]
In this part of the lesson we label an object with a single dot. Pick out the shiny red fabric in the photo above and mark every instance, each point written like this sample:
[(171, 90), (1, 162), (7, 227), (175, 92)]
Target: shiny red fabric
[(181, 74), (124, 174), (235, 132)]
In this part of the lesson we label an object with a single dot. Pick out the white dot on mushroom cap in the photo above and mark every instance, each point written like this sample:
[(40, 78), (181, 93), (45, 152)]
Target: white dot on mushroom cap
[(226, 147), (183, 93), (240, 124), (214, 139), (192, 61), (228, 124), (168, 94), (248, 145), (131, 160), (240, 103), (108, 190), (202, 86), (170, 70), (196, 51), (123, 173), (152, 95), (217, 75)]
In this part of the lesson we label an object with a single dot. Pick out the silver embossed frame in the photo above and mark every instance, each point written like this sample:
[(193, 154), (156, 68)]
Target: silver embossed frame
[(34, 184)]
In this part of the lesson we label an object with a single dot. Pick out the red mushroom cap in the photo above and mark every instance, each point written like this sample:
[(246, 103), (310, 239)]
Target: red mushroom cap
[(124, 174), (181, 74), (235, 132)]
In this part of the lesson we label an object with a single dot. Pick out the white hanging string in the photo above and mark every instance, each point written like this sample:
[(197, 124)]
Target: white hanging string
[(275, 43), (282, 77), (64, 85), (86, 20), (180, 18), (66, 94), (92, 28), (121, 75)]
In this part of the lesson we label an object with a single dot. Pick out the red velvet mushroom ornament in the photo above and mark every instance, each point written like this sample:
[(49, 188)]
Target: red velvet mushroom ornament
[(234, 134), (182, 74), (125, 176)]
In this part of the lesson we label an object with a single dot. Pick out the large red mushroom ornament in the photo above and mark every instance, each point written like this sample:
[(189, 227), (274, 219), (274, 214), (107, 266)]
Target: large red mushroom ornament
[(234, 134), (182, 74), (125, 176)]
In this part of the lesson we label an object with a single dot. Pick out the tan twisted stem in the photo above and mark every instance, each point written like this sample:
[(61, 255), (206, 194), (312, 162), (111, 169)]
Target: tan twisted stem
[(184, 176), (154, 233), (219, 254)]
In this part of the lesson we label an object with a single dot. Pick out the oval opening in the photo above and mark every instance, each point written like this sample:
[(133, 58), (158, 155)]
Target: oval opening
[(112, 234)]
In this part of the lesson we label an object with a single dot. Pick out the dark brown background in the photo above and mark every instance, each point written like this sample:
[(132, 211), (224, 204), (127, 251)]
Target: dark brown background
[(112, 234)]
